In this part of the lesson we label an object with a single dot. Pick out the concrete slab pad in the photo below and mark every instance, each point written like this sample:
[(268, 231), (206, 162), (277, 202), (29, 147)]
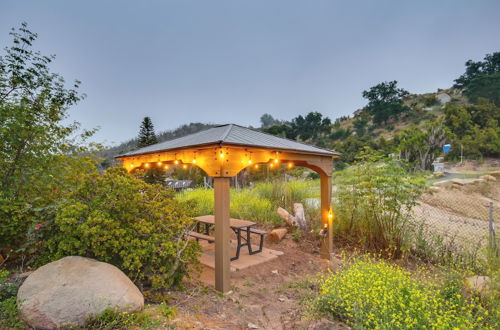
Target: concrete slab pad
[(245, 260)]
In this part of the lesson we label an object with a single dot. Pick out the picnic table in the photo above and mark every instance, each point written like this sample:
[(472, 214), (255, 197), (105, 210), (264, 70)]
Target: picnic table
[(242, 228)]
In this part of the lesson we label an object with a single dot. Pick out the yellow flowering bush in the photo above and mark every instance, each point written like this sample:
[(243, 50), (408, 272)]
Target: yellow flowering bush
[(377, 295)]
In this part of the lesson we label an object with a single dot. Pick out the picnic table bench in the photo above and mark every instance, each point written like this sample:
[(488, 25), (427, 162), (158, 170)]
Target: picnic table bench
[(242, 228)]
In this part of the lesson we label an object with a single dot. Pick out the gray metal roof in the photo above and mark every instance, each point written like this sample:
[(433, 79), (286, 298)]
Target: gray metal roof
[(231, 134)]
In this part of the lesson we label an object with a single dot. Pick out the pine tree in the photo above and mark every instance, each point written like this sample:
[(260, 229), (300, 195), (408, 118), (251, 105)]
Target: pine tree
[(147, 134)]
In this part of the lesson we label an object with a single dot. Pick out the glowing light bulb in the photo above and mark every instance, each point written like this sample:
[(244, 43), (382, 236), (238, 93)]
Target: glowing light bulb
[(249, 161), (184, 166), (290, 165), (166, 167), (276, 161), (221, 155), (146, 165), (131, 165), (176, 162), (159, 163), (256, 166), (271, 165), (194, 161)]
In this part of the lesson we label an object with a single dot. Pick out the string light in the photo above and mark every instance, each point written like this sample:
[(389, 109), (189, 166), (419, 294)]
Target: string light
[(276, 161), (271, 165), (176, 162), (159, 163), (146, 165), (221, 154), (131, 165), (249, 161), (184, 166), (290, 165), (166, 167), (194, 161), (256, 166)]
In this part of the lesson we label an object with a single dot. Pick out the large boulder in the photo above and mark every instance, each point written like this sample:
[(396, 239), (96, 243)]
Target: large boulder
[(71, 290)]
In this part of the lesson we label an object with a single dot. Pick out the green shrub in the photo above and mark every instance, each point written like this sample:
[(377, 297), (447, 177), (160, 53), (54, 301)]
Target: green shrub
[(119, 219), (110, 319), (258, 204), (374, 200), (9, 318), (377, 295)]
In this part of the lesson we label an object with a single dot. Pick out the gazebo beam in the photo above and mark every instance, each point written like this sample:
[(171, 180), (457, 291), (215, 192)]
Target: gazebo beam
[(222, 229)]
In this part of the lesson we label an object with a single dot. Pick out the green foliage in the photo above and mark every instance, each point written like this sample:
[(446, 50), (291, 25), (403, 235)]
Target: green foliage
[(36, 144), (111, 320), (313, 128), (420, 147), (258, 204), (490, 65), (147, 134), (476, 127), (377, 295), (9, 318), (119, 219), (487, 87), (266, 120), (385, 101), (374, 198)]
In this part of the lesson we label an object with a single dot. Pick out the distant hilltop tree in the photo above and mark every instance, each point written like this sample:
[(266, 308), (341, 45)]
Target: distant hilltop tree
[(266, 120), (147, 134)]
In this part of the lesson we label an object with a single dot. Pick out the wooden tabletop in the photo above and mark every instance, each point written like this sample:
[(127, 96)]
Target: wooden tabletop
[(234, 223)]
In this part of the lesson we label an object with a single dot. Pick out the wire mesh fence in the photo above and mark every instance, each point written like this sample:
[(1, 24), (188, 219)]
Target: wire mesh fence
[(462, 214)]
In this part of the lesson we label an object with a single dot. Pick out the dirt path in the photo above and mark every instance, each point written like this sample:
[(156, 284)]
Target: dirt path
[(272, 295)]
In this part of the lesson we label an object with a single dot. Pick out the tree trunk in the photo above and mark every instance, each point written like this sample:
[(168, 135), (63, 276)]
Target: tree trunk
[(298, 210), (276, 235), (290, 219)]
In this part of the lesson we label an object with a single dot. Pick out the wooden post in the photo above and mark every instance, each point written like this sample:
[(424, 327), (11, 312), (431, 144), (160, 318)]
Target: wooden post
[(326, 202), (222, 258)]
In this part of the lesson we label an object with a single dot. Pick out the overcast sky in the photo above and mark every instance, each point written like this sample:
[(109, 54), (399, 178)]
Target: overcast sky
[(231, 61)]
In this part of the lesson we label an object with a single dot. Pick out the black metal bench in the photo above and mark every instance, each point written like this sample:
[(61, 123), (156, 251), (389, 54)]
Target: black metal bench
[(261, 233), (201, 236)]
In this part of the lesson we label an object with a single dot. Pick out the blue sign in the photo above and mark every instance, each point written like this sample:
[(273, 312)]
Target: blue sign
[(446, 148)]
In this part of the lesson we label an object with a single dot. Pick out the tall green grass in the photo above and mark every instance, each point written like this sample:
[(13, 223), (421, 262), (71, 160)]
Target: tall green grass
[(257, 204)]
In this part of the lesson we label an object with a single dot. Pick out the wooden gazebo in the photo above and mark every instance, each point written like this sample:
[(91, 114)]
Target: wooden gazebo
[(222, 152)]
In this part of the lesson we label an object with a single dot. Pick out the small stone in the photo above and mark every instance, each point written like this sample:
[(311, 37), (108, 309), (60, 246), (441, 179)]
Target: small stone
[(252, 326), (488, 178), (275, 272), (478, 284), (281, 299)]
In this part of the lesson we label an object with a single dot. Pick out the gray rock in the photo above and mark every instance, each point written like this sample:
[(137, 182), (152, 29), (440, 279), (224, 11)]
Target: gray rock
[(71, 290)]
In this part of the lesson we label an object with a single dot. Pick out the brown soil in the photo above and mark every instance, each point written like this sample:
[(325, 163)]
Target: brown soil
[(272, 295)]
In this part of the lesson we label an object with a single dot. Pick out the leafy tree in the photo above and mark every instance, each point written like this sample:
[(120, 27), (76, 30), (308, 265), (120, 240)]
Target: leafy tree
[(147, 134), (283, 130), (313, 127), (420, 147), (487, 87), (37, 148), (490, 65), (476, 127), (266, 120), (385, 101)]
